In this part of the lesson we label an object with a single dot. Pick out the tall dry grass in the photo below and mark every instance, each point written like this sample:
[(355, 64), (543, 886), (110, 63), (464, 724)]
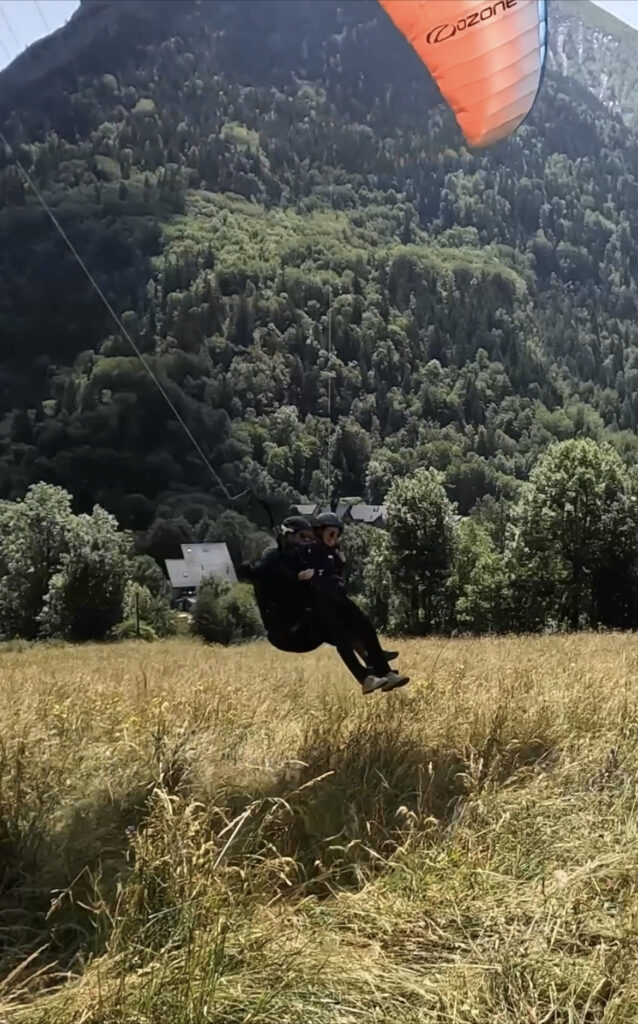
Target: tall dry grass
[(193, 834)]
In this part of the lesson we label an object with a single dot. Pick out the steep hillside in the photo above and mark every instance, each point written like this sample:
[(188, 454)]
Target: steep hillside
[(599, 50), (244, 183)]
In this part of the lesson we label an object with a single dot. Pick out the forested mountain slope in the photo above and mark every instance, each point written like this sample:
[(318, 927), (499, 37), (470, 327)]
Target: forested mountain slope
[(230, 182), (598, 50)]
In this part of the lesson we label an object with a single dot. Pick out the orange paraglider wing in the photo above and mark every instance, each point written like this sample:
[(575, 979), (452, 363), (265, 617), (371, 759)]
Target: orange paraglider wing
[(486, 58)]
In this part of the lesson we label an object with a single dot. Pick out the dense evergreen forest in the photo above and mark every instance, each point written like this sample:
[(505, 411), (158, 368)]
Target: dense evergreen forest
[(332, 288)]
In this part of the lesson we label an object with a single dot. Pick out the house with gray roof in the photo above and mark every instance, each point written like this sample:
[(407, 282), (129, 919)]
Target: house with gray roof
[(342, 510), (371, 515), (199, 561), (214, 557), (349, 511), (305, 510)]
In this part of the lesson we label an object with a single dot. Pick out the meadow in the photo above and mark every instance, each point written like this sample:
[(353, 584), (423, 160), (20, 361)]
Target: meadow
[(206, 835)]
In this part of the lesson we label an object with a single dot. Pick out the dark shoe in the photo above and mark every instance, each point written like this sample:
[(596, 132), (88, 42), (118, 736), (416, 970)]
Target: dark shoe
[(390, 655)]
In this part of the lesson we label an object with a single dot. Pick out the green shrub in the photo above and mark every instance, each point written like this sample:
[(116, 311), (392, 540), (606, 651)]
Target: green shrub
[(225, 615), (241, 613), (152, 609), (127, 630)]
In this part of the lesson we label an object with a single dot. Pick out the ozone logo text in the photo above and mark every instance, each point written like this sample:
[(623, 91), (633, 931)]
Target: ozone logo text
[(440, 33)]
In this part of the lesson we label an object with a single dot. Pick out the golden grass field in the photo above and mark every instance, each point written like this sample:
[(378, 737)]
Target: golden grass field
[(201, 835)]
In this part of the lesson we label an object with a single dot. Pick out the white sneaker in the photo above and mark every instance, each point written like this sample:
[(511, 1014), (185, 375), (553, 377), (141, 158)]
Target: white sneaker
[(372, 683), (393, 680)]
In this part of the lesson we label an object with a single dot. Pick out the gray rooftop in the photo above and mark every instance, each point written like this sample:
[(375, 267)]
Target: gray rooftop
[(359, 511), (306, 510), (341, 510), (367, 513), (200, 560), (183, 574)]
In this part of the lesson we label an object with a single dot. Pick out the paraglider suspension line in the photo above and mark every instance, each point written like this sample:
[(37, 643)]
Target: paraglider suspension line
[(10, 28), (330, 430), (331, 433), (122, 329), (41, 13)]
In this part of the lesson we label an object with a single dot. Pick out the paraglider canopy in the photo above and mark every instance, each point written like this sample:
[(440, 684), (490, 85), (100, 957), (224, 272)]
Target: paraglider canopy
[(486, 56)]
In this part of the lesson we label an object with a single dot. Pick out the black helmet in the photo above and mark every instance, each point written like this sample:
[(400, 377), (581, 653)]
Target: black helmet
[(328, 519), (296, 524)]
